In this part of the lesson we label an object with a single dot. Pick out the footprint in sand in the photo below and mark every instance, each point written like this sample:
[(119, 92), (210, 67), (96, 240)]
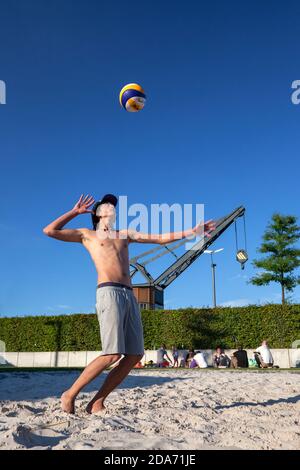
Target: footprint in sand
[(39, 437)]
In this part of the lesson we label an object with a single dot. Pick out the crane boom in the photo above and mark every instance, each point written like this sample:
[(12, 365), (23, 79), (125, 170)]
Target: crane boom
[(182, 263)]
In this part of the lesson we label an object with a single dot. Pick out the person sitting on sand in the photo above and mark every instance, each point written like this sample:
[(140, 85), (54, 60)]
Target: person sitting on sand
[(263, 355), (162, 357), (175, 355), (240, 358), (118, 312), (189, 357), (220, 359), (198, 360)]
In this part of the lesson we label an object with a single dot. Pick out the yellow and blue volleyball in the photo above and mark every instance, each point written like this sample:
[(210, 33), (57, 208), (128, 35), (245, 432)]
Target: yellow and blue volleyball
[(132, 97)]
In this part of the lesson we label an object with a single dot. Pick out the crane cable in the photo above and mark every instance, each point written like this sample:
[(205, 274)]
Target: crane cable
[(236, 234)]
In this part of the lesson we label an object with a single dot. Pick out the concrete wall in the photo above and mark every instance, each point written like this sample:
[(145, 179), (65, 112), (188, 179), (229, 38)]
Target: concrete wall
[(284, 358)]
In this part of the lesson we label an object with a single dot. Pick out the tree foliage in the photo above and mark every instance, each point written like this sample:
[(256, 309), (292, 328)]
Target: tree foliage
[(283, 258)]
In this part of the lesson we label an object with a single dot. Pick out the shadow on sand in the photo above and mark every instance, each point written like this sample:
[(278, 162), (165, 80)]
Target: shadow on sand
[(15, 386), (294, 399)]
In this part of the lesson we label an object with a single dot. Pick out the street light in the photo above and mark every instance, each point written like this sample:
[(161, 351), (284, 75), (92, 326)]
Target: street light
[(213, 269)]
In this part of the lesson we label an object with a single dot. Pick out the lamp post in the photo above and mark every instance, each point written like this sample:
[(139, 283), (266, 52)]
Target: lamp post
[(213, 273)]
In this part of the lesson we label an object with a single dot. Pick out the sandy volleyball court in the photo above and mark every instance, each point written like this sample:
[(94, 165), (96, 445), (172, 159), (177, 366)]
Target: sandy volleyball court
[(169, 409)]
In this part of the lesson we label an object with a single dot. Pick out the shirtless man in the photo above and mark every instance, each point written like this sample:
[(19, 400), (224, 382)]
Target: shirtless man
[(117, 309)]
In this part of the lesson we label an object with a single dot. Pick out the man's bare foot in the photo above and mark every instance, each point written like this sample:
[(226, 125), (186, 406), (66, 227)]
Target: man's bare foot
[(67, 403), (95, 406)]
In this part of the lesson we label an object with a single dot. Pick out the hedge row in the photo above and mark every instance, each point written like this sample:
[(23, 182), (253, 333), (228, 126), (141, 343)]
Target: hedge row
[(190, 327)]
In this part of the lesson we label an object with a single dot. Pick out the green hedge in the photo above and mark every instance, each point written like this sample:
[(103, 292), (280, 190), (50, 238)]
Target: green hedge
[(190, 327)]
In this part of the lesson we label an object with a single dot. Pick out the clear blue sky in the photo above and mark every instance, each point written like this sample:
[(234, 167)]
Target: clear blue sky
[(218, 128)]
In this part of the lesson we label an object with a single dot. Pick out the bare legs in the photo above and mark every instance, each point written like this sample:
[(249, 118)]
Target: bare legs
[(90, 372), (114, 378)]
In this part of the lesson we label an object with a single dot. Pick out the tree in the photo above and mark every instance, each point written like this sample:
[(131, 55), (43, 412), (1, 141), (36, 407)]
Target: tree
[(284, 258)]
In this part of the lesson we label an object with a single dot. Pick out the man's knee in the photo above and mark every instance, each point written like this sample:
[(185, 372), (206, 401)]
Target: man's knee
[(112, 358), (136, 357)]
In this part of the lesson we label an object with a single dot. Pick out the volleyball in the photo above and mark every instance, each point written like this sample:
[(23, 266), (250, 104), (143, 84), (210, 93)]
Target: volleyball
[(132, 97)]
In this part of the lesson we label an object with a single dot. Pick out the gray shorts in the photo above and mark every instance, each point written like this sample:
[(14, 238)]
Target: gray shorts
[(120, 321)]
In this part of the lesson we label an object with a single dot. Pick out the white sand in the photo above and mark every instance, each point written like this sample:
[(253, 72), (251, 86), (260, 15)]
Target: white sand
[(169, 409)]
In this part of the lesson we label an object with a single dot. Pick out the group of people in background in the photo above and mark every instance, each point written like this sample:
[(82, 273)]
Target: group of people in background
[(262, 358)]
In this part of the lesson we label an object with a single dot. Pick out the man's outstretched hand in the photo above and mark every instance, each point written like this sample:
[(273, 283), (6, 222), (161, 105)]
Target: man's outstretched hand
[(83, 204), (205, 228)]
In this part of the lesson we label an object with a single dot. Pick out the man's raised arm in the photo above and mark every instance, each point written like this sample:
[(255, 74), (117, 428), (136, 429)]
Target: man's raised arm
[(204, 228), (54, 229)]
